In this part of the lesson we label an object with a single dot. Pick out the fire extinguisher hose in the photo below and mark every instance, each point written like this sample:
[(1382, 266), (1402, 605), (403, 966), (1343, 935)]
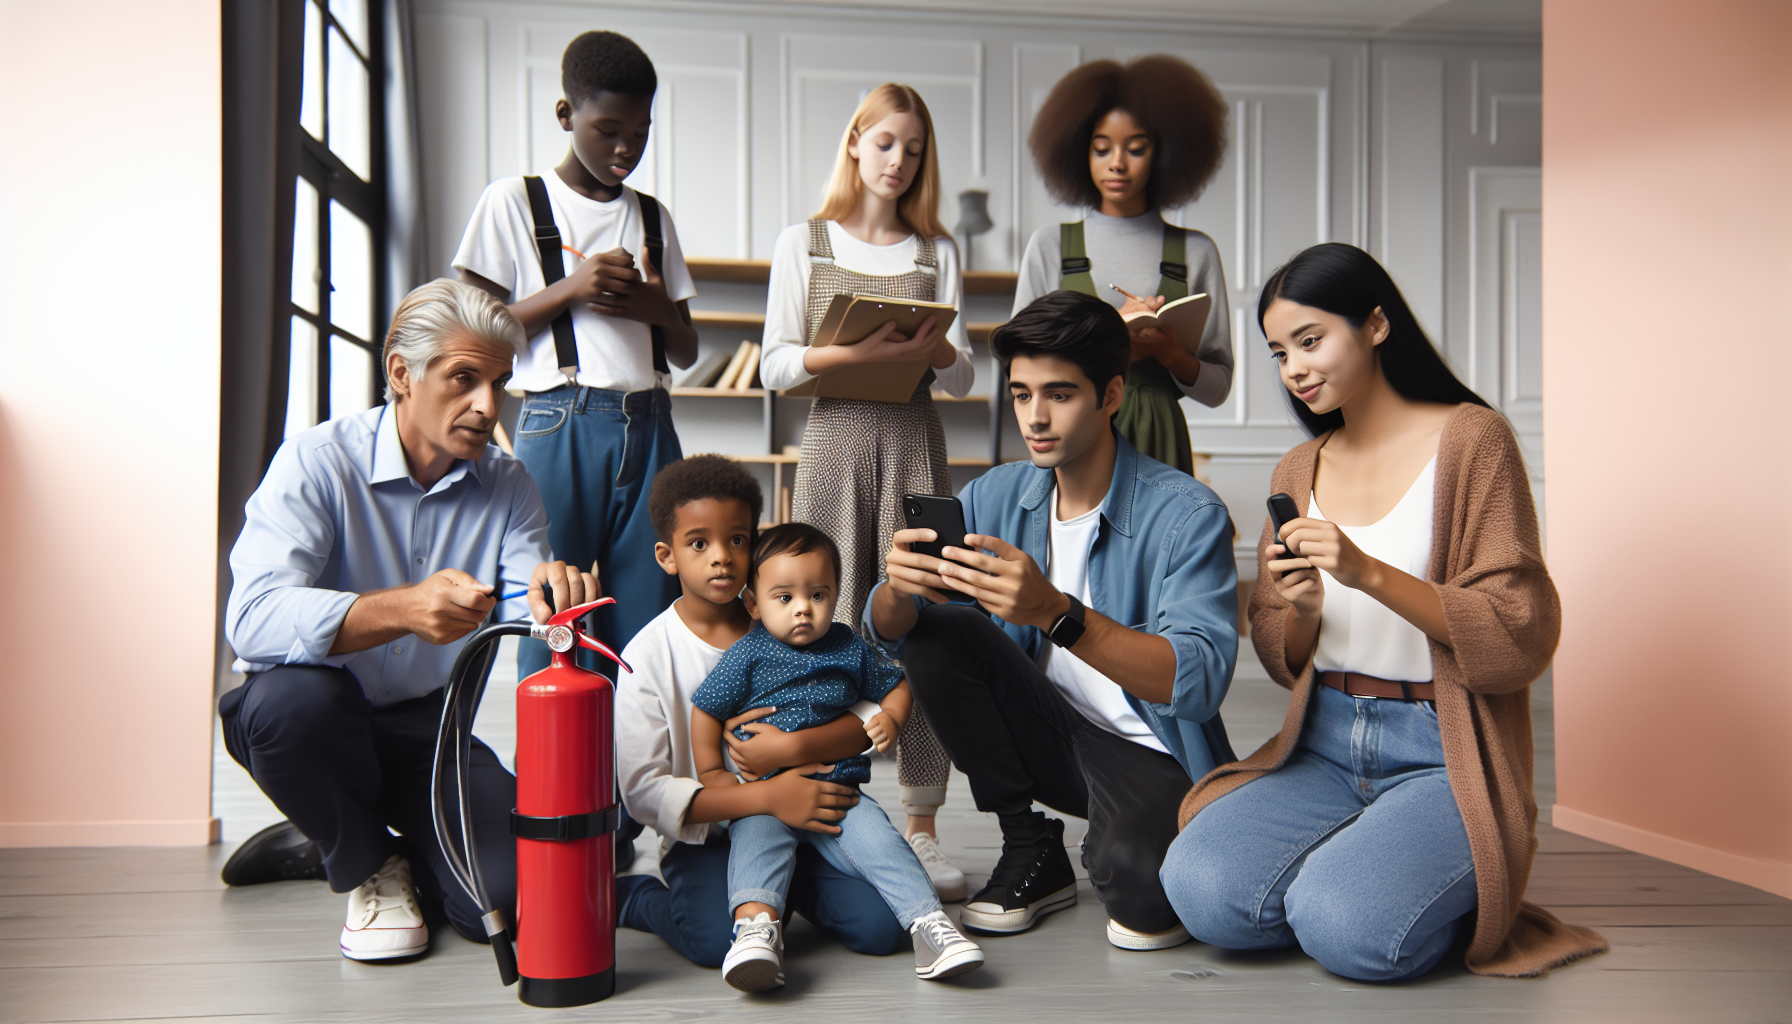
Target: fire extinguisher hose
[(460, 703)]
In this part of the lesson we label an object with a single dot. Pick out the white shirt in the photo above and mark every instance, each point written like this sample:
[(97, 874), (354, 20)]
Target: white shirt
[(658, 776), (787, 303), (500, 246), (1098, 698), (1360, 634)]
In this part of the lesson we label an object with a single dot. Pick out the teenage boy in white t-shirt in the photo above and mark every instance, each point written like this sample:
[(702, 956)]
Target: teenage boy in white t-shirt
[(596, 428), (704, 509)]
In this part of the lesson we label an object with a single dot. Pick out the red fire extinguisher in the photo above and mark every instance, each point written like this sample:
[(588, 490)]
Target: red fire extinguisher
[(565, 936)]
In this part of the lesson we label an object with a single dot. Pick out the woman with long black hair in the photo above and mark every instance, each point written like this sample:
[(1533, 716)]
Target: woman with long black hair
[(1408, 609)]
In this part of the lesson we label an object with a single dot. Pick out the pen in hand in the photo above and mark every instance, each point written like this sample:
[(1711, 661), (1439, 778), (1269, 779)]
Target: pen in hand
[(1126, 293)]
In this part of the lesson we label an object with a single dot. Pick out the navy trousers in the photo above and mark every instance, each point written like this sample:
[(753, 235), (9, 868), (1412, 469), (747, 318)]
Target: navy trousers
[(691, 913), (343, 771)]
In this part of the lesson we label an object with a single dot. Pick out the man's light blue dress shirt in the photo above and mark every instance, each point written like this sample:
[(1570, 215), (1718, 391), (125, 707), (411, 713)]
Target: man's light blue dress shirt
[(338, 515)]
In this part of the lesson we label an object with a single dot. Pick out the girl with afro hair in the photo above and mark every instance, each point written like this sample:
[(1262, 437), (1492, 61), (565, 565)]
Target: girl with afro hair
[(1126, 142)]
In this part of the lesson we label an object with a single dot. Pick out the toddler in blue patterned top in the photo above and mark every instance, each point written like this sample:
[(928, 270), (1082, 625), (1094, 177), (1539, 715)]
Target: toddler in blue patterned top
[(811, 670)]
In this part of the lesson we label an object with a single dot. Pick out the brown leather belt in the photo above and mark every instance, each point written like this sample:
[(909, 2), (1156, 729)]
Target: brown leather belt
[(1358, 685)]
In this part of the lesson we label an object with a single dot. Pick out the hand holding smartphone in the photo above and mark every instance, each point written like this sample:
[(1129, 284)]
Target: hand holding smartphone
[(1282, 511), (944, 516)]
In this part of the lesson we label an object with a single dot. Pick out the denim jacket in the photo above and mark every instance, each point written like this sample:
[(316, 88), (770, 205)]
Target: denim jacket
[(1161, 563)]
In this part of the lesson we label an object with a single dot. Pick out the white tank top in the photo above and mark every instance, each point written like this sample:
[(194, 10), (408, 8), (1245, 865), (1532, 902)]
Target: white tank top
[(1360, 634)]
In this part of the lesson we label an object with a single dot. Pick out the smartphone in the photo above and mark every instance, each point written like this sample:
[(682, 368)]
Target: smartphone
[(944, 516), (1281, 511)]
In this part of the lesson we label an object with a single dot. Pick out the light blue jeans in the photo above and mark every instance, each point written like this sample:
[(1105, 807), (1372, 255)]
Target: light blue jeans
[(762, 854), (1355, 849)]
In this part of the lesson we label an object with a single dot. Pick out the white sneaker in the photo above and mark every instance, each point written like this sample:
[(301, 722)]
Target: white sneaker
[(755, 962), (384, 920), (941, 951), (948, 881), (1126, 938)]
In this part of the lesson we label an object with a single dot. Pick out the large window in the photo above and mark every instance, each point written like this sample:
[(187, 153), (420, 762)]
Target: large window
[(338, 273)]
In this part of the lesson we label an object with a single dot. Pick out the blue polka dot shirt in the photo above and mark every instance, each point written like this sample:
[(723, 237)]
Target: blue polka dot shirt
[(809, 686)]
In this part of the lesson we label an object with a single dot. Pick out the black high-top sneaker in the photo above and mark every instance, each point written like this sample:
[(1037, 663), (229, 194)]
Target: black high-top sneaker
[(1029, 882)]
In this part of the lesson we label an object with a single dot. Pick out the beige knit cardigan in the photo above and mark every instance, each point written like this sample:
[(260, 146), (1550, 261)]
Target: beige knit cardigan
[(1504, 619)]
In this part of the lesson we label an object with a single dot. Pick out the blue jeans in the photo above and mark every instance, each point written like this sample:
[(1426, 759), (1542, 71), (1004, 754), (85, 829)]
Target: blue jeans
[(868, 846), (692, 914), (1355, 849), (594, 454)]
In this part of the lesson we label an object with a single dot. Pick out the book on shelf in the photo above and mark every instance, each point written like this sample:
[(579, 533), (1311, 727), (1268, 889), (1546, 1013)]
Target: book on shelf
[(749, 370), (726, 380), (848, 321), (706, 371)]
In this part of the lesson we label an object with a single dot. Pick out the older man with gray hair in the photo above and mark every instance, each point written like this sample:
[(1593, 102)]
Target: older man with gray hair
[(375, 544)]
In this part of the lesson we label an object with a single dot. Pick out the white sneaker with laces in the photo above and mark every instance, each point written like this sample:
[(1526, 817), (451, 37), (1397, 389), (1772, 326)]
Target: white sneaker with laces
[(948, 881), (941, 950), (755, 962), (384, 921), (1126, 938)]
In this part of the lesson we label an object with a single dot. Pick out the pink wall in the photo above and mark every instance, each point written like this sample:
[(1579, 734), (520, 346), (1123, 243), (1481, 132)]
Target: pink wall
[(108, 419), (1667, 191)]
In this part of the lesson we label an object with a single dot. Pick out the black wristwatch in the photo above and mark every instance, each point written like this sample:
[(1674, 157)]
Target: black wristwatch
[(1069, 628)]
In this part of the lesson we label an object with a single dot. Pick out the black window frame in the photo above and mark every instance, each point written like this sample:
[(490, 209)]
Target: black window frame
[(334, 180)]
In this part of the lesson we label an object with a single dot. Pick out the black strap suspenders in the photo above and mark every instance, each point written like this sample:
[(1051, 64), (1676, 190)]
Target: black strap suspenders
[(548, 243), (656, 253), (553, 270)]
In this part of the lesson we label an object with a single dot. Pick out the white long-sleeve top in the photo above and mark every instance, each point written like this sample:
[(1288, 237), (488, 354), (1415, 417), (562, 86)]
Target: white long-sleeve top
[(654, 766), (786, 319)]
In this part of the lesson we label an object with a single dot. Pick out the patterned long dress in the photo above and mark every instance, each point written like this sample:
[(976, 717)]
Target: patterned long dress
[(858, 460)]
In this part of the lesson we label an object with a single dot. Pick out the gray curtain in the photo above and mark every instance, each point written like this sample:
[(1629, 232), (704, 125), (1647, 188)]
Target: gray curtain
[(407, 248), (262, 63)]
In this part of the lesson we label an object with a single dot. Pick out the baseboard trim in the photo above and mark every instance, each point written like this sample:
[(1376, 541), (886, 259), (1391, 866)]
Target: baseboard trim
[(193, 832), (1772, 876)]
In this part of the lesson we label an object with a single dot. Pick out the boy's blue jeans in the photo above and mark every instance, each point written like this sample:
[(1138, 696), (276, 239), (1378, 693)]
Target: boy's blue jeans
[(594, 454), (691, 912), (763, 854), (1355, 849)]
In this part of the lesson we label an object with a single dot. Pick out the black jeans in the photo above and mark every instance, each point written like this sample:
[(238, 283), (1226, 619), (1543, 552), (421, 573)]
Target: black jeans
[(1012, 732), (343, 770)]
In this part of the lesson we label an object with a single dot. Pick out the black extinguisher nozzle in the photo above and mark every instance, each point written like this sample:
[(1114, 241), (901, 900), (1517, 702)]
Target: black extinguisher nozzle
[(505, 951), (503, 946)]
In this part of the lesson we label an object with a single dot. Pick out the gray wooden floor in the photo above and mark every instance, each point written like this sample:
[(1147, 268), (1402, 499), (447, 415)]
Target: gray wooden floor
[(151, 934)]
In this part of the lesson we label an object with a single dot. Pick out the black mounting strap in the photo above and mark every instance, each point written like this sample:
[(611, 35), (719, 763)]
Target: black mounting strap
[(566, 827), (1174, 271)]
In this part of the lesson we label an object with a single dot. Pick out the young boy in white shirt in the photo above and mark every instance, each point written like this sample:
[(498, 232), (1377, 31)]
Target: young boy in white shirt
[(593, 270), (704, 511)]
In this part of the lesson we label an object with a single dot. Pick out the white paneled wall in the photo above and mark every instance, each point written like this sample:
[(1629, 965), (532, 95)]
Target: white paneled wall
[(1424, 151)]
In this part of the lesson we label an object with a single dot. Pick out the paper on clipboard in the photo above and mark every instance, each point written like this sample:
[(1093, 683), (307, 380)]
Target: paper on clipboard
[(848, 320)]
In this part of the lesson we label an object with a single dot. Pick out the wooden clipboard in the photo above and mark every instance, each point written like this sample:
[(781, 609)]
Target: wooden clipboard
[(849, 319)]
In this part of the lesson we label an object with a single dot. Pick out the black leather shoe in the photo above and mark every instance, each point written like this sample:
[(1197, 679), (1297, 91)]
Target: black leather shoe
[(278, 853), (1028, 883)]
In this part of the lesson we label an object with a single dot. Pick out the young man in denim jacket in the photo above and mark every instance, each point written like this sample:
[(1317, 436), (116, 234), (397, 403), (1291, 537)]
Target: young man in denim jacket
[(1077, 652)]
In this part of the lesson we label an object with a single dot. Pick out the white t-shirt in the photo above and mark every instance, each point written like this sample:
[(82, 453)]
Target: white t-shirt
[(1099, 698), (787, 303), (654, 767), (500, 246), (1360, 634)]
